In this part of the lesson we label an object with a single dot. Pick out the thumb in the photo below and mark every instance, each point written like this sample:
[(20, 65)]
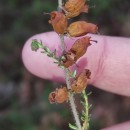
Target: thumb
[(42, 66)]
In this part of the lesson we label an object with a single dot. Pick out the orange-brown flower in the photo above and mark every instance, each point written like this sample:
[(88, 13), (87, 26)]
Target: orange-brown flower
[(67, 60), (60, 95), (75, 7), (81, 28), (80, 83), (58, 21), (78, 49), (80, 46)]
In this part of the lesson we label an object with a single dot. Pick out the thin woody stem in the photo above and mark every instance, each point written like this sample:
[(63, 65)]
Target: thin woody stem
[(67, 78), (59, 5), (71, 98)]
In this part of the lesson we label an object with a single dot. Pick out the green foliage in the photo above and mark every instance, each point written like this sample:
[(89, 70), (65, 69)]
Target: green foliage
[(85, 115), (73, 74), (73, 127), (16, 121), (35, 45)]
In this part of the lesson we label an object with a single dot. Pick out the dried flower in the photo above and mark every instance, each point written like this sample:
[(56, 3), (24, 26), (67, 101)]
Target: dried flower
[(80, 46), (78, 49), (52, 96), (58, 21), (67, 59), (81, 28), (60, 95), (80, 82), (75, 7)]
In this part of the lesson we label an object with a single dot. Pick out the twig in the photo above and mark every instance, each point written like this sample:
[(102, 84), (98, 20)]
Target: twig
[(71, 98)]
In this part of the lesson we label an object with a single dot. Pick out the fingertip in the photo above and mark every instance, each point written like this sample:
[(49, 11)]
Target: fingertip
[(38, 63), (42, 66)]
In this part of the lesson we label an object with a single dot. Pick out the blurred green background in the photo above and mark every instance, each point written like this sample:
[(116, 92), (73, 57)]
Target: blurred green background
[(23, 97)]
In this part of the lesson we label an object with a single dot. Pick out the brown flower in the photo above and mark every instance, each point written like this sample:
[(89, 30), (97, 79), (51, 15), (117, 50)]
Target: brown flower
[(60, 95), (78, 49), (52, 96), (81, 28), (80, 83), (58, 21), (80, 46), (75, 7), (67, 60)]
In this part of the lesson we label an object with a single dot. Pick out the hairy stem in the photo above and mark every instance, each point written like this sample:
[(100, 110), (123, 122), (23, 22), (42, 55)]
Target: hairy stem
[(59, 5), (67, 78), (86, 122), (71, 98)]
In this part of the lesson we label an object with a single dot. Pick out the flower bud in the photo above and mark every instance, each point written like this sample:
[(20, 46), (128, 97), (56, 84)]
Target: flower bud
[(75, 7), (60, 95), (59, 22), (80, 83), (80, 28)]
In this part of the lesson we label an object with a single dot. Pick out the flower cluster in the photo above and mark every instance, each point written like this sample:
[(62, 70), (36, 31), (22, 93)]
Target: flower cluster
[(74, 7), (60, 95), (77, 50), (59, 22), (60, 25)]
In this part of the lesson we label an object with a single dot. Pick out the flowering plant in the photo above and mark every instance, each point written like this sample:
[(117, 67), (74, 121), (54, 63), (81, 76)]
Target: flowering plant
[(75, 83)]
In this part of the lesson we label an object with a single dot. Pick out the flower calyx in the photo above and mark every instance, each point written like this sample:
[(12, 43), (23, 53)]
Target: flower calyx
[(59, 22), (67, 59), (77, 50), (81, 81), (81, 28), (60, 95), (80, 46), (74, 7)]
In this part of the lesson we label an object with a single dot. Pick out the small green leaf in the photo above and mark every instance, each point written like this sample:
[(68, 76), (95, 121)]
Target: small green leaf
[(54, 54), (62, 67), (84, 114), (40, 45), (55, 62), (84, 104), (89, 106), (34, 45), (63, 57), (73, 127), (48, 55), (74, 73), (47, 49), (89, 93), (82, 118)]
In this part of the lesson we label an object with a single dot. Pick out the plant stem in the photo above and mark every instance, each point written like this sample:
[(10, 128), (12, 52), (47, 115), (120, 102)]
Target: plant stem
[(71, 98), (86, 122), (60, 5), (67, 78)]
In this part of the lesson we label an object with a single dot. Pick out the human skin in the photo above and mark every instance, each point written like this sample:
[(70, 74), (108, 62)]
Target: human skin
[(108, 61)]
